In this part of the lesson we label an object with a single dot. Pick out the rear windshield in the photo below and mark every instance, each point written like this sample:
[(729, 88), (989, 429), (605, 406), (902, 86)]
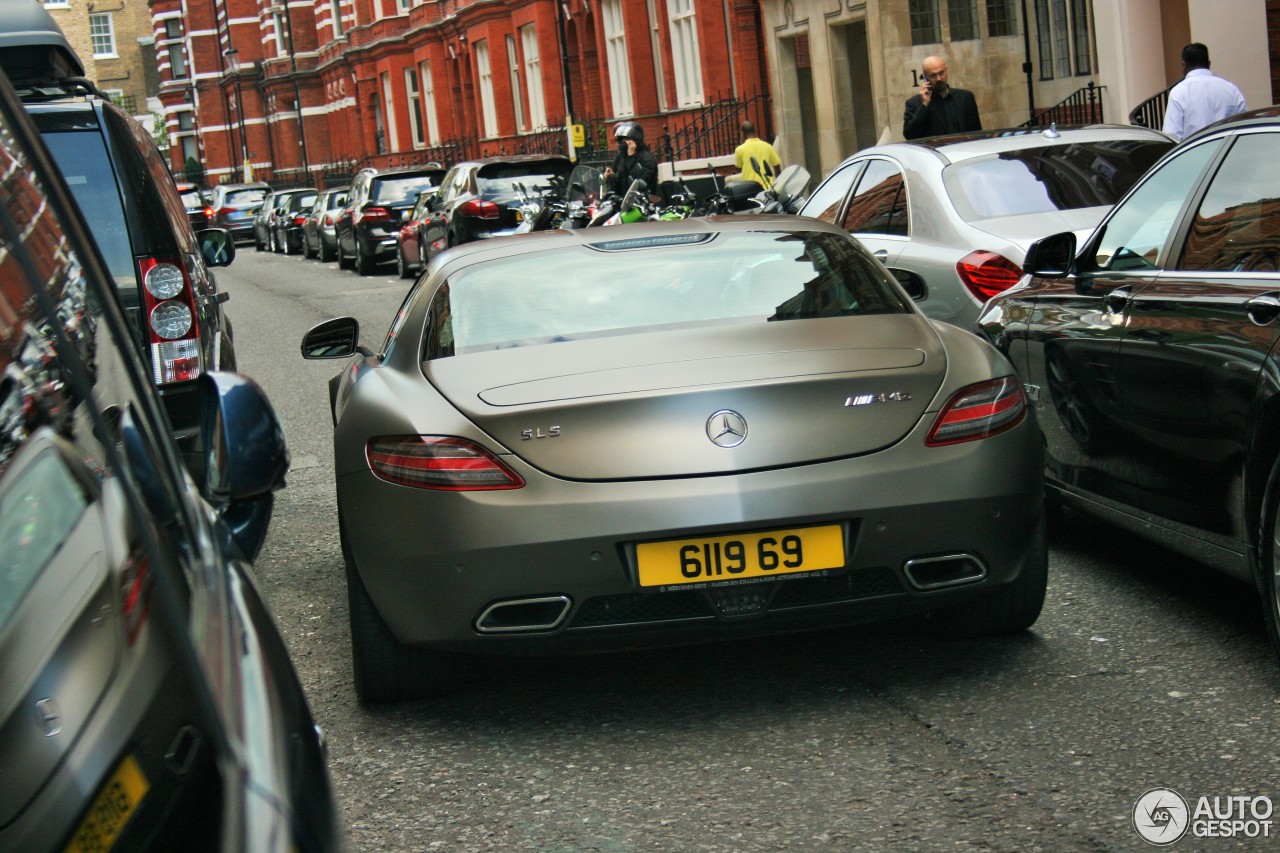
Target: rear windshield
[(1056, 177), (192, 200), (496, 181), (401, 189), (655, 283), (242, 198), (298, 202)]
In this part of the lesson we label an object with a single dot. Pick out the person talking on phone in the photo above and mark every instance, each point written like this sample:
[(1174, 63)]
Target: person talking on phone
[(634, 160), (939, 107)]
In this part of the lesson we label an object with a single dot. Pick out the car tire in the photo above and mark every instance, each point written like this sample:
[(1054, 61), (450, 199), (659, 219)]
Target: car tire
[(323, 252), (287, 245), (257, 243), (306, 248), (344, 263), (386, 670), (1011, 609), (1269, 559), (364, 263), (401, 268)]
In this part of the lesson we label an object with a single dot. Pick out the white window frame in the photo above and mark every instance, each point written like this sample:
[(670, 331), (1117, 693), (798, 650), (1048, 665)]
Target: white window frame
[(413, 95), (96, 34), (277, 20), (616, 50), (429, 102), (533, 76), (685, 54), (57, 4), (389, 110), (513, 68), (655, 43), (484, 73), (335, 20), (177, 52)]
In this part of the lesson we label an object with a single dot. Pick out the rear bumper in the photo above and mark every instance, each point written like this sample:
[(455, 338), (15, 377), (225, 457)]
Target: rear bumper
[(434, 562)]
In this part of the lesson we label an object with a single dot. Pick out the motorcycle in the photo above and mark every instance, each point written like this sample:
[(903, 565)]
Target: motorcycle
[(782, 195)]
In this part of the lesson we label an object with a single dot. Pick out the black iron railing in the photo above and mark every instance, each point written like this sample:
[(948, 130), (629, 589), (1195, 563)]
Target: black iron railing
[(1084, 106), (714, 130), (1150, 113)]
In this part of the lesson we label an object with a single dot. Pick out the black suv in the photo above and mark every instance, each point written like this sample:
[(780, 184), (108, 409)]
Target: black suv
[(368, 227), (129, 198), (147, 701)]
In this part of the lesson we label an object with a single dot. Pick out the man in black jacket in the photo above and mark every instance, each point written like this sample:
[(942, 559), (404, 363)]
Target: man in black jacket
[(634, 160), (939, 108)]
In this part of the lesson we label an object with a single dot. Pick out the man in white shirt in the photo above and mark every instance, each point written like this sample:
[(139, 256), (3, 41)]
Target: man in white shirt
[(1201, 98)]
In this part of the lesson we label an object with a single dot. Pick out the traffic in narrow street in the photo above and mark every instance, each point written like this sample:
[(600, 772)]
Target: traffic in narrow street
[(1144, 671)]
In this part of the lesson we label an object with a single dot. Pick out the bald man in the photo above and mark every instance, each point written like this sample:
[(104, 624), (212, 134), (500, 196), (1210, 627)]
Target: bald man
[(939, 108)]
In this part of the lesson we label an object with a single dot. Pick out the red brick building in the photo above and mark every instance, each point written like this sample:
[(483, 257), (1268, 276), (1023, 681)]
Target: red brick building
[(305, 92)]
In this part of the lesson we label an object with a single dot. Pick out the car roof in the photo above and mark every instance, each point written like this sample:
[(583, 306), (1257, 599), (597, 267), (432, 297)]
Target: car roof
[(956, 147), (514, 159), (1261, 117)]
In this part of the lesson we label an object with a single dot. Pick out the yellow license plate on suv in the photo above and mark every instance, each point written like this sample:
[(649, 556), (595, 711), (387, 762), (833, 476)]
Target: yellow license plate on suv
[(740, 556), (116, 803)]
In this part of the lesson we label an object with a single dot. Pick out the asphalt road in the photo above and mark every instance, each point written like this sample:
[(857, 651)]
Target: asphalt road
[(1146, 670)]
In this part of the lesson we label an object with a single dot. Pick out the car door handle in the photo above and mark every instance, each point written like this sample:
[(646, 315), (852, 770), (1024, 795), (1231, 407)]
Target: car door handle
[(1263, 308), (881, 254), (1116, 299)]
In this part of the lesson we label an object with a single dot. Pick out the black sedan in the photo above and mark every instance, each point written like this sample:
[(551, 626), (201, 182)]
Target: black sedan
[(1151, 354), (480, 198)]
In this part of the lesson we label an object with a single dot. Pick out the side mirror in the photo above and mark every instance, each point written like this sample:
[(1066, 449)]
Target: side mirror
[(1051, 257), (338, 338), (245, 455), (216, 245)]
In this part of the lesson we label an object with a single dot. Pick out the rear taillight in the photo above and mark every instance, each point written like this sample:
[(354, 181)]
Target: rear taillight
[(375, 214), (173, 332), (223, 211), (986, 273), (135, 593), (979, 411), (328, 220), (480, 209), (437, 462), (208, 213), (298, 220)]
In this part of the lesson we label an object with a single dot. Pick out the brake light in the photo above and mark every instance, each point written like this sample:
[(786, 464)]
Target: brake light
[(225, 210), (375, 214), (480, 209), (298, 220), (328, 220), (438, 462), (986, 273), (173, 330), (135, 593), (208, 213), (979, 411)]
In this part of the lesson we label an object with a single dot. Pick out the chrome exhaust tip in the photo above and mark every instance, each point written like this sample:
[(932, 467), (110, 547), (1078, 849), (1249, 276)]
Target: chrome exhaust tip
[(930, 573), (544, 613)]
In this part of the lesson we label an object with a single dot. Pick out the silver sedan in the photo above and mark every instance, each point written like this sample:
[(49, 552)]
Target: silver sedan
[(952, 216), (667, 433)]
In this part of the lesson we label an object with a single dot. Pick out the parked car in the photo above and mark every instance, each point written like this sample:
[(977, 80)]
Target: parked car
[(318, 237), (479, 198), (265, 221), (147, 701), (958, 212), (367, 227), (823, 455), (235, 206), (288, 221), (1150, 354), (410, 258), (128, 196), (197, 205)]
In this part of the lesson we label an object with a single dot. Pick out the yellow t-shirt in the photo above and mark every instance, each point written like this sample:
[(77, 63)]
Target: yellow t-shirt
[(764, 153)]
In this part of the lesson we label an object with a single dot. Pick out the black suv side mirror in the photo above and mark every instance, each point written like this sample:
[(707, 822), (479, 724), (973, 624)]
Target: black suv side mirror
[(1051, 257)]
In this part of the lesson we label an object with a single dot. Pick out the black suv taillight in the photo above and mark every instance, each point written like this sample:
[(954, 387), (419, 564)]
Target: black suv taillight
[(173, 330)]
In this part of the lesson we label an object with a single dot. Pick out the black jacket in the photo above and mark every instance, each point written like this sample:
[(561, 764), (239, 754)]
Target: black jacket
[(956, 113), (644, 165)]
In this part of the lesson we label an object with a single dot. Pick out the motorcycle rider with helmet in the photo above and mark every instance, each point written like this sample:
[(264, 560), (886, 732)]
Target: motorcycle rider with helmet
[(634, 160)]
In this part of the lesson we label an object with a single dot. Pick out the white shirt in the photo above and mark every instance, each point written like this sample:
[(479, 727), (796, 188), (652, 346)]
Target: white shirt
[(1199, 100)]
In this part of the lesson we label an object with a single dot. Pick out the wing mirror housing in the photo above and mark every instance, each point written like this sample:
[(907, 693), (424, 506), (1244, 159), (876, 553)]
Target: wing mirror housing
[(337, 338), (245, 455), (1051, 257)]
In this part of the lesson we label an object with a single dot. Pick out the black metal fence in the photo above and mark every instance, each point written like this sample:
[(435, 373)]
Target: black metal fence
[(1150, 113), (1084, 106), (715, 130)]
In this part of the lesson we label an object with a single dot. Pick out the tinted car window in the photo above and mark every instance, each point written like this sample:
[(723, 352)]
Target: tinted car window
[(245, 197), (825, 202), (880, 204), (700, 280), (498, 181), (88, 173), (1057, 177), (1237, 227), (1138, 229), (399, 189)]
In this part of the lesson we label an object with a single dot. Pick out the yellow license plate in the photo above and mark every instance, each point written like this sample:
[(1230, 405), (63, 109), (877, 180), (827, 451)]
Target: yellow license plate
[(519, 216), (740, 555), (116, 803)]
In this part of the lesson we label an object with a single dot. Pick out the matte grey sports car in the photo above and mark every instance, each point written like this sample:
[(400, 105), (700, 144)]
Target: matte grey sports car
[(666, 433)]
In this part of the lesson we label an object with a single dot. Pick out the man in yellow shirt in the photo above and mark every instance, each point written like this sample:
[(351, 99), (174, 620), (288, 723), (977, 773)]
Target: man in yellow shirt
[(756, 158)]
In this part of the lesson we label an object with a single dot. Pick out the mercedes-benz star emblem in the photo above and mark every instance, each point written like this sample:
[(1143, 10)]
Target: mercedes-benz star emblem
[(727, 428)]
